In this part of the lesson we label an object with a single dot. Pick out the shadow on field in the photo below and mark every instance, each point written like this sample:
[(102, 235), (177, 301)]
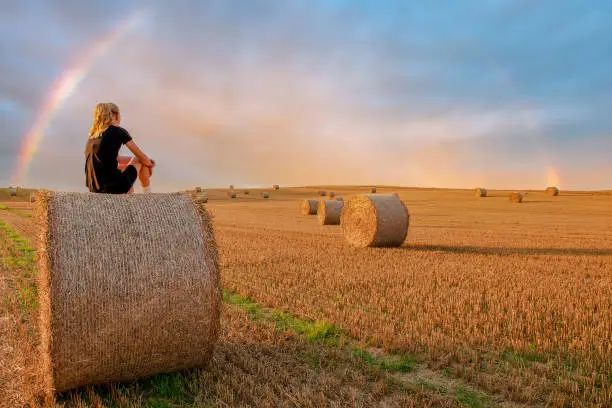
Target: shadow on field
[(468, 249)]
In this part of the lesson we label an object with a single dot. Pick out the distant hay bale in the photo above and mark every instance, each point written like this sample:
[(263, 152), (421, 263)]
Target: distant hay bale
[(13, 192), (331, 194), (198, 189), (33, 197), (276, 187), (322, 193), (329, 212), (309, 207), (247, 192), (375, 221), (202, 197), (516, 197), (231, 194), (552, 191), (231, 186), (480, 192), (339, 198), (265, 194), (141, 298), (373, 190)]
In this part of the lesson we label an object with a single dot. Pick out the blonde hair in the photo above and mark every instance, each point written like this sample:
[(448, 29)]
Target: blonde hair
[(102, 118)]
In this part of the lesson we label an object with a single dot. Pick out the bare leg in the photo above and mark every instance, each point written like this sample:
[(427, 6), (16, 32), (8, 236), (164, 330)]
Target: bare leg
[(144, 175)]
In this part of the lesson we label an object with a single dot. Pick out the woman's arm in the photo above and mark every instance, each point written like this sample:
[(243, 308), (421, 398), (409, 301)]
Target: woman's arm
[(144, 159)]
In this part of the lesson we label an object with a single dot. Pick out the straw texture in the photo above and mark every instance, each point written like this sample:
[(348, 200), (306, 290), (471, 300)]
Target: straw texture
[(128, 287), (375, 220), (516, 197), (480, 192), (552, 191), (329, 212), (309, 207)]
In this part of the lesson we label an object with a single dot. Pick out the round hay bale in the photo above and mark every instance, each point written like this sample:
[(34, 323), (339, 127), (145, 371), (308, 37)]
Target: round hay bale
[(322, 193), (231, 186), (247, 192), (331, 194), (480, 192), (33, 197), (552, 191), (339, 198), (375, 221), (141, 298), (231, 194), (329, 212), (265, 194), (309, 207), (373, 190), (516, 197), (276, 187), (198, 189), (13, 192)]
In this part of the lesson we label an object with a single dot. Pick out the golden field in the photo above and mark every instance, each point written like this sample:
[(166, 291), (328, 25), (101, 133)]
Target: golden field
[(512, 300)]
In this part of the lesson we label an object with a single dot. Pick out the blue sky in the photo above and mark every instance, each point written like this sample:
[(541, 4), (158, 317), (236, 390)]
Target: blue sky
[(440, 93)]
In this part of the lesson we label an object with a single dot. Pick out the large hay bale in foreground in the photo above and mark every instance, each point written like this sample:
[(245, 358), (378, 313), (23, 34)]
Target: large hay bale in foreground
[(552, 191), (480, 192), (128, 287), (515, 197), (309, 207), (329, 212), (375, 220)]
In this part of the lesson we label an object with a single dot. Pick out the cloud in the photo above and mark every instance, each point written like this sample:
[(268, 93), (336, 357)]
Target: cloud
[(310, 92)]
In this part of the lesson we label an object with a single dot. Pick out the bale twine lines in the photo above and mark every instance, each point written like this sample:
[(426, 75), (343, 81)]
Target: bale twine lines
[(329, 212), (265, 194), (516, 197), (375, 220), (480, 192), (128, 286), (373, 190), (309, 207), (552, 191)]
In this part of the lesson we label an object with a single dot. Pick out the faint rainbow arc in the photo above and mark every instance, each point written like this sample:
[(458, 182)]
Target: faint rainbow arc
[(63, 87)]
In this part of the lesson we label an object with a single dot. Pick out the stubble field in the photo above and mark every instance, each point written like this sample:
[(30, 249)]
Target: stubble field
[(512, 301)]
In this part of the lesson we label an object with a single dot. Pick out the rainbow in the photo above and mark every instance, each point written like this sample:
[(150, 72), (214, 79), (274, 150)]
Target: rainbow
[(63, 87), (553, 178)]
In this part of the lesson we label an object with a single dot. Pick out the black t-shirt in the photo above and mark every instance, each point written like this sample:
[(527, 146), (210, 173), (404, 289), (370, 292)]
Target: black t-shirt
[(101, 156)]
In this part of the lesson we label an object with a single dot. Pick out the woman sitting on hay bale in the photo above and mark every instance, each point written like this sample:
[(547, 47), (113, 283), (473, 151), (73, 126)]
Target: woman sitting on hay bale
[(105, 170)]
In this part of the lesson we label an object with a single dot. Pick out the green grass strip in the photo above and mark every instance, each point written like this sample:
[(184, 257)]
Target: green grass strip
[(14, 211), (19, 255), (318, 331)]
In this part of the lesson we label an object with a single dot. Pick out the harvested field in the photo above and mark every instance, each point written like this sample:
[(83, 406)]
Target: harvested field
[(459, 296)]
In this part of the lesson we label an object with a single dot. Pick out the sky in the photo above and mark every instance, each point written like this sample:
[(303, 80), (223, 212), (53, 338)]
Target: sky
[(485, 93)]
